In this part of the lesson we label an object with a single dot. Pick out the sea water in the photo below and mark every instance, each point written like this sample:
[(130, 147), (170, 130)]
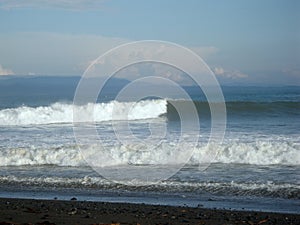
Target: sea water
[(257, 166)]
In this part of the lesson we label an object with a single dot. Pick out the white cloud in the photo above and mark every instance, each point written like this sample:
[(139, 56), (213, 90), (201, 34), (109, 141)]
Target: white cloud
[(59, 4), (45, 53), (4, 72), (219, 71), (205, 51), (291, 72), (153, 69), (170, 56), (231, 74)]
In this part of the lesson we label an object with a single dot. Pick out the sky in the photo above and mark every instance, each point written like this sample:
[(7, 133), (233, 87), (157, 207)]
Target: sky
[(246, 42)]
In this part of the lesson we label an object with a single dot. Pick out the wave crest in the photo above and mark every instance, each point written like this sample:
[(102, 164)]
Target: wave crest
[(63, 113)]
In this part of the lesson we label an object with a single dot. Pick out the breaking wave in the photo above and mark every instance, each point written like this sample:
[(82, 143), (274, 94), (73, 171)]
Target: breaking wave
[(146, 109), (63, 113), (258, 153)]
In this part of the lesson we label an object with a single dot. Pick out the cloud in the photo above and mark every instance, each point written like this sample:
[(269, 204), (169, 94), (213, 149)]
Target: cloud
[(165, 58), (47, 53), (152, 69), (4, 72), (57, 4), (291, 72), (231, 74), (205, 51)]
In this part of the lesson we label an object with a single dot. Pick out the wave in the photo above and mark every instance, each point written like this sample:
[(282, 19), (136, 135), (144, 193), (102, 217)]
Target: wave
[(266, 189), (277, 107), (258, 153), (242, 108), (63, 113), (146, 109)]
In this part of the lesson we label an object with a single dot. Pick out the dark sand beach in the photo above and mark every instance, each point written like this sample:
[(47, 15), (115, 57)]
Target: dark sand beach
[(29, 211)]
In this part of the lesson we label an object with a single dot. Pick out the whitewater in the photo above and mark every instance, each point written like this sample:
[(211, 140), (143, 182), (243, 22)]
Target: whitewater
[(63, 113), (282, 152), (247, 149), (257, 166)]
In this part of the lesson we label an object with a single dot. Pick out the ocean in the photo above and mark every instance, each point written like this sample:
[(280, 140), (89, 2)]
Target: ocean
[(257, 167)]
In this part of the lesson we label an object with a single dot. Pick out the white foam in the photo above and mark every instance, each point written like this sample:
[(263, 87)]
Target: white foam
[(260, 153), (63, 113), (267, 188), (37, 156)]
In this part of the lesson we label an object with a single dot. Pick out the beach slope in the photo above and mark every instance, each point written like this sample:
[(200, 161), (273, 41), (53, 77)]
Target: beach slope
[(29, 211)]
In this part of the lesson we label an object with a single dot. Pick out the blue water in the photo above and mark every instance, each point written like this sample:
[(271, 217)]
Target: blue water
[(257, 166)]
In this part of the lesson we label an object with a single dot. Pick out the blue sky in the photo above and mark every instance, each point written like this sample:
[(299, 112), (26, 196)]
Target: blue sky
[(241, 41)]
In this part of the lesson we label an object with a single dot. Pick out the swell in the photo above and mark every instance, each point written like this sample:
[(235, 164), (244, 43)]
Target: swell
[(240, 108)]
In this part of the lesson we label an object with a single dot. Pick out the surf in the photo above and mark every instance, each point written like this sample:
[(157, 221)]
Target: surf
[(257, 153), (63, 113)]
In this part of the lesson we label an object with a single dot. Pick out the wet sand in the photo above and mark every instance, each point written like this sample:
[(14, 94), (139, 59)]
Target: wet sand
[(27, 211)]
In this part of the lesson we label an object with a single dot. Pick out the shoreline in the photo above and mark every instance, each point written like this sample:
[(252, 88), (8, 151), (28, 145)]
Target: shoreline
[(32, 211)]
